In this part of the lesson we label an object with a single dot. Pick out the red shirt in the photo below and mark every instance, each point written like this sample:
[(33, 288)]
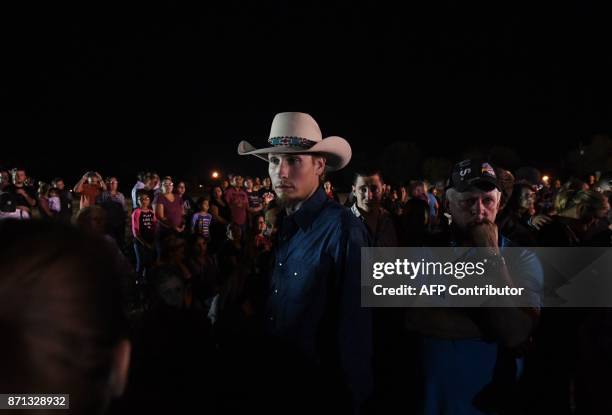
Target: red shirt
[(89, 194)]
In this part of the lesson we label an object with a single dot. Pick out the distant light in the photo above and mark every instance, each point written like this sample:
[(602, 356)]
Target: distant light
[(215, 175), (200, 185), (545, 178)]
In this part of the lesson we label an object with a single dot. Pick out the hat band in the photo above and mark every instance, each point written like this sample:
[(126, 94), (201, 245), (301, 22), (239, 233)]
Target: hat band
[(291, 141)]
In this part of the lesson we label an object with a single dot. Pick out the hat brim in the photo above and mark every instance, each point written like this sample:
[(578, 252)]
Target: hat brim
[(478, 183), (336, 150)]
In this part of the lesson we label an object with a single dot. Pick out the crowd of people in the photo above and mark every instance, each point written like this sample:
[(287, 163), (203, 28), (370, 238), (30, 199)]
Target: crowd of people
[(197, 274), (199, 268)]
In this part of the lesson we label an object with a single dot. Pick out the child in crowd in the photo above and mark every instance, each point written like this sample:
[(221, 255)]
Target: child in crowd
[(143, 229), (200, 223)]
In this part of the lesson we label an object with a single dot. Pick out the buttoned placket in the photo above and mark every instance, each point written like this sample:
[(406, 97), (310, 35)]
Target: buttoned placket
[(286, 232)]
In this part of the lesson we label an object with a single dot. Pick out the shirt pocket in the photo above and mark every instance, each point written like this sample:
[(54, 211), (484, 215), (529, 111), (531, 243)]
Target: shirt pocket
[(301, 280)]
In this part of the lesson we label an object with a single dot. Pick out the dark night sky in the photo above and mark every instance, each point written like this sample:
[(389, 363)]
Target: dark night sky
[(94, 88)]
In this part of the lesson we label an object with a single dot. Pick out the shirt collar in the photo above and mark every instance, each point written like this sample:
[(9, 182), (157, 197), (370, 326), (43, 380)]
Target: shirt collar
[(358, 214), (310, 208), (356, 211)]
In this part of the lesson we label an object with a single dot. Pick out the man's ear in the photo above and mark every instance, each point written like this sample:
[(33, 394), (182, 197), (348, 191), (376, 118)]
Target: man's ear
[(319, 165), (120, 369)]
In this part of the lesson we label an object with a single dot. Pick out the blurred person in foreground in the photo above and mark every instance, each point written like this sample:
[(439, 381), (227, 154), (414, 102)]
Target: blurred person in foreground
[(62, 315)]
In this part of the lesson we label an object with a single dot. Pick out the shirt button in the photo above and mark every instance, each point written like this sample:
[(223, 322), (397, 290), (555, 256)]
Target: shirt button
[(276, 291), (280, 264), (295, 274)]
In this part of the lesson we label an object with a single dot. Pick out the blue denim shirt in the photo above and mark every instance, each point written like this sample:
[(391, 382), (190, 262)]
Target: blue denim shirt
[(315, 302)]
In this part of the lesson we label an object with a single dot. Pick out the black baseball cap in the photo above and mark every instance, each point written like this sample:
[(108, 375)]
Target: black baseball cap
[(473, 173)]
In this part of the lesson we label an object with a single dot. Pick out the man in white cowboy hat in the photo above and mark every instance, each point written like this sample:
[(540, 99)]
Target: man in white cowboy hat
[(314, 307)]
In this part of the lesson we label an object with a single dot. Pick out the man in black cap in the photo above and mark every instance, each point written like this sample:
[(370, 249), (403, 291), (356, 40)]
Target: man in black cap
[(467, 351)]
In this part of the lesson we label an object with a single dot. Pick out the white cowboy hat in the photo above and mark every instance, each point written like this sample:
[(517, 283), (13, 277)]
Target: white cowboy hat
[(297, 132)]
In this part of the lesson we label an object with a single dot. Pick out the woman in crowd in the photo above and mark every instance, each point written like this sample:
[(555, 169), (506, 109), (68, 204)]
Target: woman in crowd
[(169, 211)]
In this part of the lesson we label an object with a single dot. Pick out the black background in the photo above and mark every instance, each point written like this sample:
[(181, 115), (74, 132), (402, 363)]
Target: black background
[(174, 88)]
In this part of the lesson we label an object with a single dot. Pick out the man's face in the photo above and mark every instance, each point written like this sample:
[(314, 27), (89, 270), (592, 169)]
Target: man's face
[(327, 186), (418, 191), (368, 191), (248, 184), (472, 208), (20, 177), (271, 215), (295, 176), (528, 198), (267, 182), (261, 224), (237, 181), (93, 180), (181, 188), (60, 184)]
